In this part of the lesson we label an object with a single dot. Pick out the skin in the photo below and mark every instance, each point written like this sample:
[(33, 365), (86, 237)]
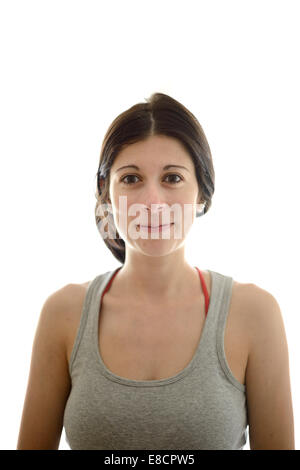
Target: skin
[(156, 268)]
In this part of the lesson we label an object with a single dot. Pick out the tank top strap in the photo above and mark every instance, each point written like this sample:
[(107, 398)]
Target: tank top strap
[(110, 281), (87, 320)]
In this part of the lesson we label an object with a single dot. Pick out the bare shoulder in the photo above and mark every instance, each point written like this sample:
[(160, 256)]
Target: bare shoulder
[(64, 302), (253, 313), (237, 336), (264, 324), (72, 298), (259, 307), (63, 309), (241, 302), (70, 293)]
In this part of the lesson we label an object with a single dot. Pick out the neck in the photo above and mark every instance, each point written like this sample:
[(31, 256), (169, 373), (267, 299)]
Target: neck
[(156, 279)]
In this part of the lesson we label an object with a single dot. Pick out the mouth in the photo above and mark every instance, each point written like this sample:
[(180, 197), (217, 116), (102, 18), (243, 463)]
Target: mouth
[(154, 228)]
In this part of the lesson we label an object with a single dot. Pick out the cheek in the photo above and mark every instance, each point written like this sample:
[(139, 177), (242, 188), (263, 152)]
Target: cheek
[(116, 198), (121, 208), (184, 215)]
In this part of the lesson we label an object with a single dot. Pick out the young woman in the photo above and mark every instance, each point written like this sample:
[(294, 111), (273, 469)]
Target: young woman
[(157, 354)]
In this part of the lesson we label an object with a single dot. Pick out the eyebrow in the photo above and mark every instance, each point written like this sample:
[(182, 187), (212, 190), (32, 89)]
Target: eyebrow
[(164, 168)]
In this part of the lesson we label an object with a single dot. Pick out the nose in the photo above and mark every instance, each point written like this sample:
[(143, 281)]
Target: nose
[(154, 204), (152, 201), (155, 207)]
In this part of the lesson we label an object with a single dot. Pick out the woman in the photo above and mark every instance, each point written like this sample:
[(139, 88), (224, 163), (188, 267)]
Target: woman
[(157, 354)]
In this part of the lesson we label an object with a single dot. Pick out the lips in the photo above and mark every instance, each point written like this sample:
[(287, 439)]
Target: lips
[(155, 226)]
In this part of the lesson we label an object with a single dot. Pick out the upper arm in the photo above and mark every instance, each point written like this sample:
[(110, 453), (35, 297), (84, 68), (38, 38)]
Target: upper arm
[(269, 398), (49, 381)]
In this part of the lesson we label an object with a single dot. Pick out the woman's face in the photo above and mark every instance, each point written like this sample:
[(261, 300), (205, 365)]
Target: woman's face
[(148, 196)]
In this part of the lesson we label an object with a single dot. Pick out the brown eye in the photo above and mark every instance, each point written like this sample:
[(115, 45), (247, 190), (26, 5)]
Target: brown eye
[(180, 179), (135, 176), (128, 176)]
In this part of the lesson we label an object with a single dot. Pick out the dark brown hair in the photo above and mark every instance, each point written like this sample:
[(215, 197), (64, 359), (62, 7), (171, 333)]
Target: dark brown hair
[(160, 115)]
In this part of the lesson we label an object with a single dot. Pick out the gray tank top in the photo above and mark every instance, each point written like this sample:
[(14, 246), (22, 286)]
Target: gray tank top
[(201, 407)]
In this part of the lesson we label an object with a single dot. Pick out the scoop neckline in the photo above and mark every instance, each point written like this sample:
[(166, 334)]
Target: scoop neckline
[(146, 383)]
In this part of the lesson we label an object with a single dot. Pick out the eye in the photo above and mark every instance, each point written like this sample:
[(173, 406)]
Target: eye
[(174, 174), (127, 176), (135, 176)]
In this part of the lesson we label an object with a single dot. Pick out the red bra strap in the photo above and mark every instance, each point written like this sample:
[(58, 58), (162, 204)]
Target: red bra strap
[(201, 279), (204, 290), (111, 280)]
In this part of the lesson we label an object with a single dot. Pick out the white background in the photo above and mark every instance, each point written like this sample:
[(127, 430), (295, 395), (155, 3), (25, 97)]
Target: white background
[(68, 68)]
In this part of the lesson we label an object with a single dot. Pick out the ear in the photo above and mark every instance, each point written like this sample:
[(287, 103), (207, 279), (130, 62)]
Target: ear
[(200, 202), (109, 201), (200, 199)]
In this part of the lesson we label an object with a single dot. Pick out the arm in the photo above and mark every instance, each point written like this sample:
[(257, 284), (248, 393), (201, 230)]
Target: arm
[(49, 381), (269, 399)]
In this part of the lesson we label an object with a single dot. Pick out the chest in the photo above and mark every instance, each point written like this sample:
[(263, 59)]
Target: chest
[(140, 345)]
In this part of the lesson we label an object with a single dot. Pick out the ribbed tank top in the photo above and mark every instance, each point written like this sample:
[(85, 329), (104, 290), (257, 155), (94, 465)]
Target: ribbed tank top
[(202, 407)]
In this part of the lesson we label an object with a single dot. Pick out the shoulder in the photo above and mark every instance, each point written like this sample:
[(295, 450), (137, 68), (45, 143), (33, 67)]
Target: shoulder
[(266, 333), (70, 299), (62, 310), (253, 308), (65, 298), (261, 307), (258, 307), (71, 293), (253, 297)]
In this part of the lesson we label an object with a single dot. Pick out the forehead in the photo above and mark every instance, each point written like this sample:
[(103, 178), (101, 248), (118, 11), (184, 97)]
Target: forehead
[(154, 152)]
